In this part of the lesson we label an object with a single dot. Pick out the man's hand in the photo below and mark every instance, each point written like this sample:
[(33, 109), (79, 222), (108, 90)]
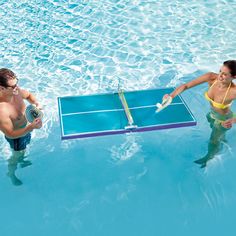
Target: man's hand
[(38, 105), (36, 124)]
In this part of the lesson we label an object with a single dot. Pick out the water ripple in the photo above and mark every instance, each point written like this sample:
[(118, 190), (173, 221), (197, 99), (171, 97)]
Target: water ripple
[(68, 48)]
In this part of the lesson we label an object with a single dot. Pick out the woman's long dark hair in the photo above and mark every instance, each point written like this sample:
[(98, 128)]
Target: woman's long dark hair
[(231, 64)]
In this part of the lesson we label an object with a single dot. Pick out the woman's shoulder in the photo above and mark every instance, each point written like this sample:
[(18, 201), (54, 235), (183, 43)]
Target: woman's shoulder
[(211, 77), (233, 90)]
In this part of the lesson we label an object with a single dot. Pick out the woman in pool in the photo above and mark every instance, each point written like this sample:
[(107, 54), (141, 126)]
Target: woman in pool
[(221, 93)]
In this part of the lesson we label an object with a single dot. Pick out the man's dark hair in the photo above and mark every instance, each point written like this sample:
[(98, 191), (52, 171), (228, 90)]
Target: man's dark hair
[(231, 64), (5, 75)]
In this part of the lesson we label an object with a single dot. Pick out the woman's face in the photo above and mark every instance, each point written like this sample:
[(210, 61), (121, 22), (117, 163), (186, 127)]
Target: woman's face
[(224, 74)]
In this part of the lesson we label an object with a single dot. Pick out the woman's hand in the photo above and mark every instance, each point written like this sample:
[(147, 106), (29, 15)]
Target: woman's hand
[(165, 97), (228, 123)]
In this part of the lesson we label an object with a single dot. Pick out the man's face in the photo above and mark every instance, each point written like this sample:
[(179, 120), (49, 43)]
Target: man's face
[(11, 88)]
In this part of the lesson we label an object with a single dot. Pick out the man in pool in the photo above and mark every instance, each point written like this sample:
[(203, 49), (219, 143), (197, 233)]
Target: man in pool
[(221, 93), (13, 123)]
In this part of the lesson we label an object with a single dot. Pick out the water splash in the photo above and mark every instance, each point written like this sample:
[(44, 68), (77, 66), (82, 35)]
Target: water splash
[(126, 150)]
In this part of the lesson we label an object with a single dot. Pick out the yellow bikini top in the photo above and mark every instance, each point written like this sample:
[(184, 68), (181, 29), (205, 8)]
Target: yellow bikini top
[(216, 104)]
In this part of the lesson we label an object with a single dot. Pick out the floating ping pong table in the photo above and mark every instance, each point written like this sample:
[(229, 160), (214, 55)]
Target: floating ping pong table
[(115, 113)]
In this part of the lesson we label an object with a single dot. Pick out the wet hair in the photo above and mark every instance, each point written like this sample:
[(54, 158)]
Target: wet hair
[(231, 64), (5, 75)]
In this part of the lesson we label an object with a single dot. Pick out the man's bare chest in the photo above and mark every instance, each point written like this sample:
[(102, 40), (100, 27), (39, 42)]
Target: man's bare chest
[(16, 109)]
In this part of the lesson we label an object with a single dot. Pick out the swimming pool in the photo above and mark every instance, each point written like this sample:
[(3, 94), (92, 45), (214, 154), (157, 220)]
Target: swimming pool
[(134, 184)]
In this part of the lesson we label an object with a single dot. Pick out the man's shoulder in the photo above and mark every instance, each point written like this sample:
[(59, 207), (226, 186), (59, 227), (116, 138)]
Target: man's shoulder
[(23, 93), (3, 105), (4, 109)]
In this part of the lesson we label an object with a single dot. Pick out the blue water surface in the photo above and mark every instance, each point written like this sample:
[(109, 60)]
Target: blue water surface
[(134, 184)]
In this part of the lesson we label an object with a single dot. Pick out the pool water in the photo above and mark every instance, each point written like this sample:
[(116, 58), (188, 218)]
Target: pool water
[(135, 184)]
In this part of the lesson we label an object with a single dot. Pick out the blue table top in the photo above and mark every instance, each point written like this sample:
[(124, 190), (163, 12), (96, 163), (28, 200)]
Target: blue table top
[(103, 114)]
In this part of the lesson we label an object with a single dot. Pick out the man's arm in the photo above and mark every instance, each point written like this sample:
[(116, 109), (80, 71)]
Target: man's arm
[(7, 128), (29, 97)]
